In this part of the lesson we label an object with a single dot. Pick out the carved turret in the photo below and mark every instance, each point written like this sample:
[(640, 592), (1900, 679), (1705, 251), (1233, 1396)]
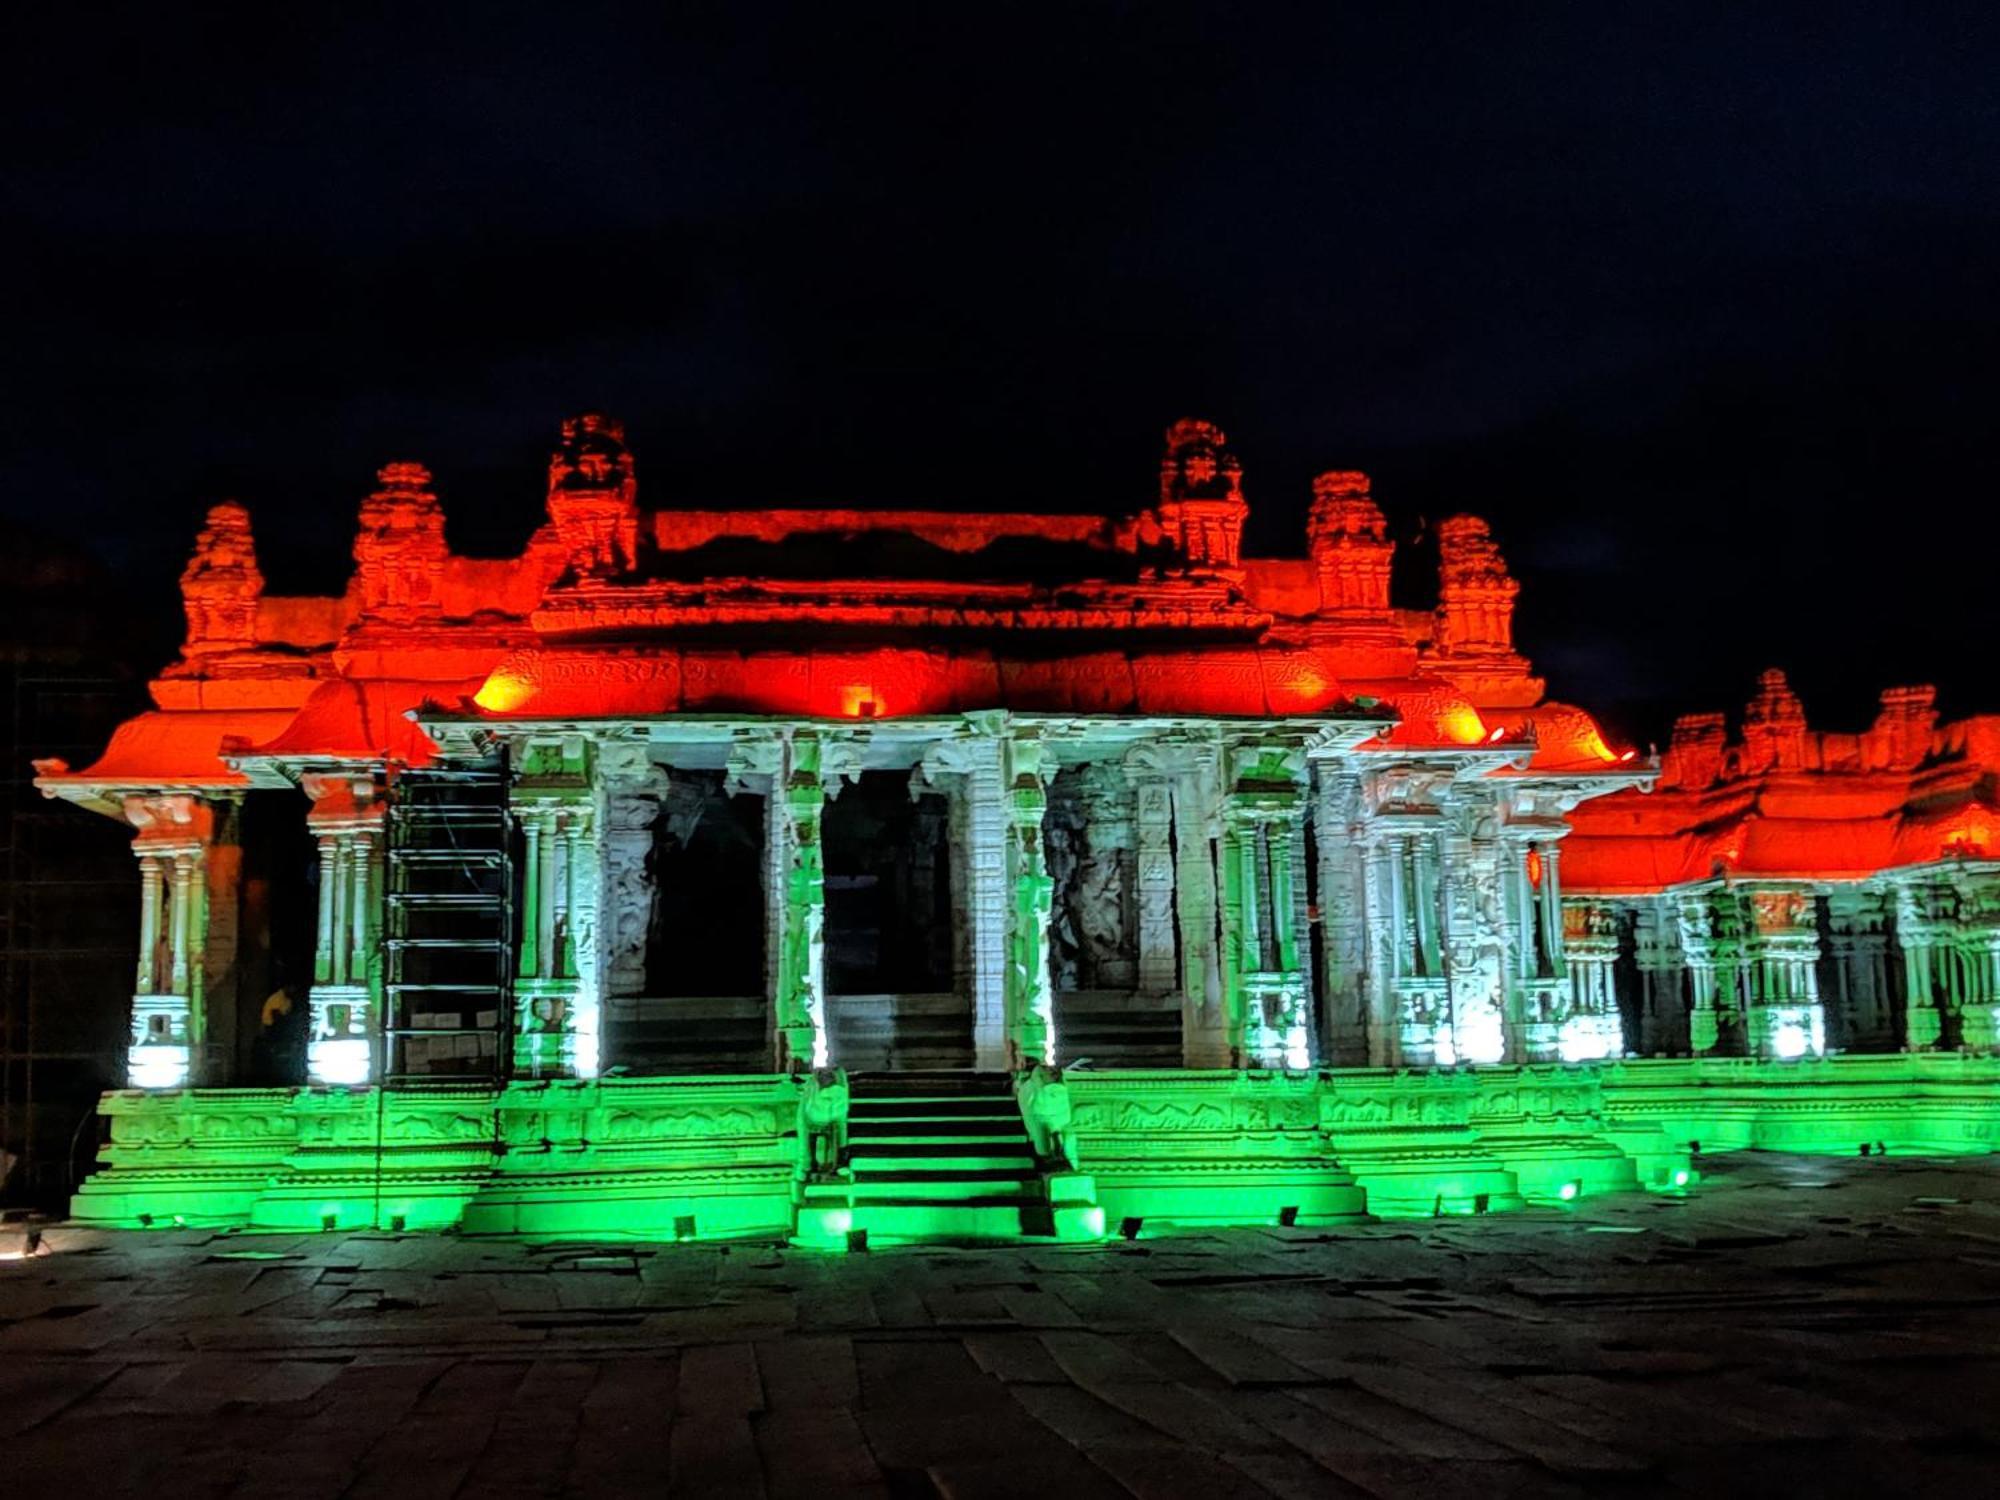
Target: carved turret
[(1202, 510), (221, 584), (1901, 736), (1475, 591), (1349, 541), (1694, 753), (401, 549), (593, 497), (1774, 726)]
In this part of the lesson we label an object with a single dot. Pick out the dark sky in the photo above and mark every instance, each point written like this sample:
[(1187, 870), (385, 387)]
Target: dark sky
[(1698, 304)]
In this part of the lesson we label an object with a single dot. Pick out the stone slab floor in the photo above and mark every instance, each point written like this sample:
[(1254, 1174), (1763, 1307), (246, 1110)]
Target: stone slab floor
[(1798, 1327)]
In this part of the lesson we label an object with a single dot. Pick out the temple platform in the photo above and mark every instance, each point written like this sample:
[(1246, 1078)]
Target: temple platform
[(720, 1157)]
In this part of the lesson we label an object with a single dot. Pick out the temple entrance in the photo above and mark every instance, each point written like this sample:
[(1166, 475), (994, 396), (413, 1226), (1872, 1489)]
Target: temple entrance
[(894, 999), (704, 1008), (274, 954), (1105, 1011)]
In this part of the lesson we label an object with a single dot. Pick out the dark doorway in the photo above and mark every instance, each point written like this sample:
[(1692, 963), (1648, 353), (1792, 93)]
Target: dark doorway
[(706, 935), (892, 994), (274, 952), (888, 889)]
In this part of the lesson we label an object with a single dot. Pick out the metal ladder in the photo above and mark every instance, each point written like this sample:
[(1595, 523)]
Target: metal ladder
[(450, 936)]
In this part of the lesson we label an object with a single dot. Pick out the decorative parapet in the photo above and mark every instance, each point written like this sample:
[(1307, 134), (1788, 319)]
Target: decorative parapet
[(608, 1158), (1213, 1147)]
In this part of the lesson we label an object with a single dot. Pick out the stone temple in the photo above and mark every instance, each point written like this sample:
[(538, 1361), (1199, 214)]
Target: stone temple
[(701, 873)]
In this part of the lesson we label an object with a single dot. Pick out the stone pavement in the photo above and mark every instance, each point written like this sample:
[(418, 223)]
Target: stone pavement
[(1798, 1326)]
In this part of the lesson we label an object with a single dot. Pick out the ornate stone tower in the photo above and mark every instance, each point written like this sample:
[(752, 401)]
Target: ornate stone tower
[(221, 585), (1348, 538), (593, 497), (1201, 508), (401, 548), (1475, 591)]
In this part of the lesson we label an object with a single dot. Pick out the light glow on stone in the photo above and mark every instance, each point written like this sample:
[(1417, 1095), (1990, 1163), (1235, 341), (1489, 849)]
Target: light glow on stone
[(1568, 1191), (1790, 1041), (341, 1062), (158, 1065), (1479, 1036)]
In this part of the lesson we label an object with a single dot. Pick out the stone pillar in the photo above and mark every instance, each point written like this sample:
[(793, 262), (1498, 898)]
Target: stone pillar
[(1263, 979), (1594, 1027), (1345, 1025), (633, 788), (1710, 924), (1977, 941), (1917, 934), (558, 984), (1471, 937), (345, 1004), (183, 1021), (1783, 1016), (1196, 797), (1153, 823), (1031, 1026), (797, 866), (970, 768)]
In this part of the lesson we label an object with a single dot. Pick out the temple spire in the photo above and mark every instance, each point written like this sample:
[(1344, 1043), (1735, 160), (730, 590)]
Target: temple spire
[(400, 550), (1201, 508), (594, 498), (221, 585)]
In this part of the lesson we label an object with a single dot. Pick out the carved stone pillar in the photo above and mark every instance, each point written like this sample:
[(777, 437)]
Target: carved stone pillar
[(1784, 1018), (1031, 1033), (1594, 1027), (1197, 830), (1471, 929), (1978, 945), (558, 984), (969, 768), (347, 821), (797, 867), (1711, 933), (633, 788), (183, 1019), (1263, 979), (1918, 929), (1345, 1028), (1153, 824)]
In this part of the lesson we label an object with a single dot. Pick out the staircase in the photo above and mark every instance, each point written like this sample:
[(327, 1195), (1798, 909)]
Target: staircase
[(1119, 1030), (944, 1157)]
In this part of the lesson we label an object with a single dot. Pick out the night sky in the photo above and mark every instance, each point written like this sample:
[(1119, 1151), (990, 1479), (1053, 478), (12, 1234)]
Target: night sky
[(1697, 304)]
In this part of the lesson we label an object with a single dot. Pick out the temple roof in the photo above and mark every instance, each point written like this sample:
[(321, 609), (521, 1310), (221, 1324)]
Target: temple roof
[(1783, 802), (613, 611)]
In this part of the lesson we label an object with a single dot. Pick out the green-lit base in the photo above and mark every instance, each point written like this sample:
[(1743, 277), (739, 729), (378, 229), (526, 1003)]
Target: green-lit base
[(717, 1157)]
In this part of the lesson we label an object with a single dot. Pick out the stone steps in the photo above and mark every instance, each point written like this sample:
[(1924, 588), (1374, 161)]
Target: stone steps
[(943, 1156), (1119, 1030)]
